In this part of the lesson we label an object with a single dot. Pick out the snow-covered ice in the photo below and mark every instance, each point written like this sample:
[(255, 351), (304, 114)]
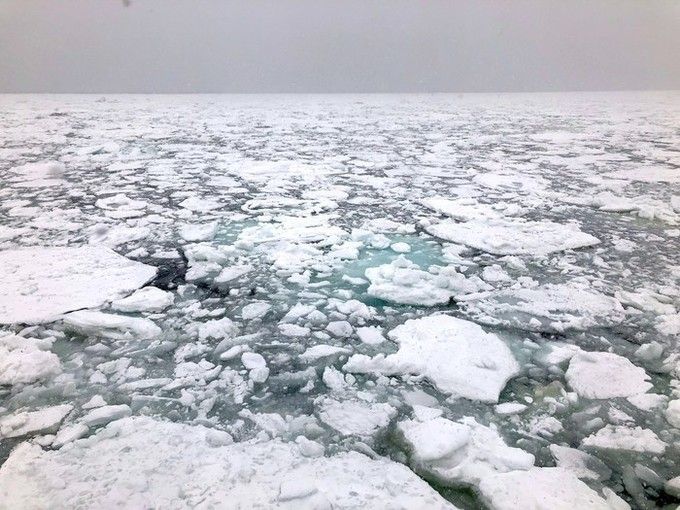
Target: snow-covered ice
[(174, 465), (340, 301), (458, 356), (505, 237), (39, 284)]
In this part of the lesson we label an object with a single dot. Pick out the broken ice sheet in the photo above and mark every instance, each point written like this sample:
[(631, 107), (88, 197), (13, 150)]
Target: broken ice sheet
[(354, 306)]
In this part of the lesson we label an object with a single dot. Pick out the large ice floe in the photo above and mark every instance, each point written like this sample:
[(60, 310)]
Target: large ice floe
[(506, 237), (456, 355), (39, 284), (550, 307), (142, 463), (340, 302)]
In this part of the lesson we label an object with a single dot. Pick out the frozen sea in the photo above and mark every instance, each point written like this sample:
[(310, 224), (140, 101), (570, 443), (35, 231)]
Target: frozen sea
[(339, 301)]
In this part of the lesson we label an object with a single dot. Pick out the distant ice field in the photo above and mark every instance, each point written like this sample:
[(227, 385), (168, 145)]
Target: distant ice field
[(340, 301)]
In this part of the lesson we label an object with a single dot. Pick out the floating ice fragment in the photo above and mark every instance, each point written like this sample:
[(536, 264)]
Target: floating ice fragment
[(461, 453), (371, 335), (404, 282), (107, 325), (146, 299), (505, 237), (458, 356), (25, 361), (621, 437), (39, 284), (539, 489), (25, 423), (158, 469), (605, 375), (551, 307), (353, 417)]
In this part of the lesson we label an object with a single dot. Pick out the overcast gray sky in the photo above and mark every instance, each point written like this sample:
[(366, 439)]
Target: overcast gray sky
[(338, 46)]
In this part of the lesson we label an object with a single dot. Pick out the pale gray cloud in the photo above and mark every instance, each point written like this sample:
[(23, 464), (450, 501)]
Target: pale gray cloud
[(338, 46)]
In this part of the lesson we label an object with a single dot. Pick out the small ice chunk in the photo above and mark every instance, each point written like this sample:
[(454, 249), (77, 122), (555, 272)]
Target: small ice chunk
[(293, 330), (621, 437), (252, 360), (257, 366), (201, 232), (107, 325), (341, 329), (370, 335), (231, 273), (309, 448), (401, 247), (510, 408), (146, 299), (69, 433), (673, 413), (42, 421), (355, 418), (105, 414), (255, 310), (321, 351), (23, 361), (217, 329), (605, 375), (582, 464)]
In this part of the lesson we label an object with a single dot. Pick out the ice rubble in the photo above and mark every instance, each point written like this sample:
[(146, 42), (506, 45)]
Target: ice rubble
[(513, 237), (39, 284), (173, 465), (285, 226), (458, 356)]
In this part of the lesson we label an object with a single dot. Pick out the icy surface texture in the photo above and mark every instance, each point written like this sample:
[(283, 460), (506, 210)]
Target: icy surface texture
[(340, 301)]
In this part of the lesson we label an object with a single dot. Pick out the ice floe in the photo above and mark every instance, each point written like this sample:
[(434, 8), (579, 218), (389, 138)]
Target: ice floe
[(39, 284), (550, 307), (460, 453), (605, 375), (540, 488), (172, 464), (505, 237), (404, 282), (26, 360), (458, 356)]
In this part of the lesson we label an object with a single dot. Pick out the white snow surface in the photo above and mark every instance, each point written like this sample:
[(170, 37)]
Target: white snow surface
[(506, 237), (461, 453), (39, 284), (540, 489), (172, 465), (458, 356), (606, 375), (550, 307)]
